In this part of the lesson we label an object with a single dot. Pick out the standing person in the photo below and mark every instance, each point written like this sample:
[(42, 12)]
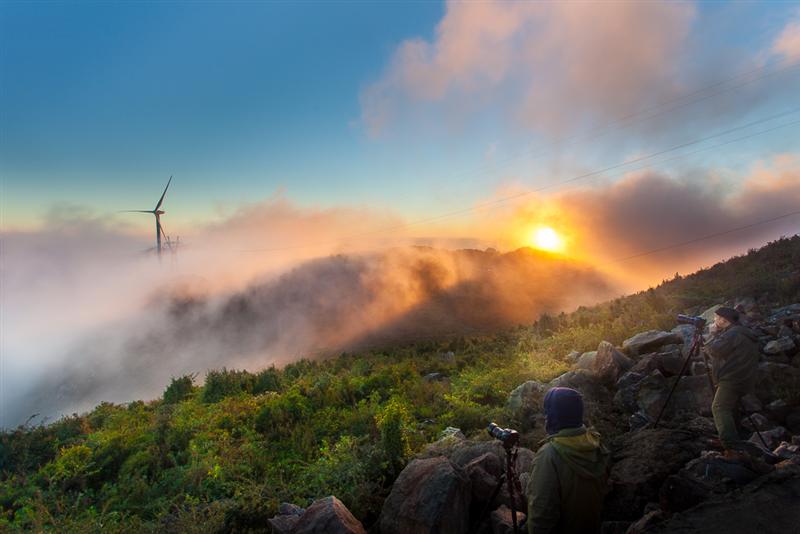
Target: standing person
[(570, 471), (734, 353)]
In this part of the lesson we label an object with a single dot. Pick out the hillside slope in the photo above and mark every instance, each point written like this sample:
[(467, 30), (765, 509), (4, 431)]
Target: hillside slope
[(224, 455)]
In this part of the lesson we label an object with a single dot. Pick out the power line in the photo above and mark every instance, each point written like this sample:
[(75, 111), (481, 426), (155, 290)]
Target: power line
[(562, 182), (599, 131), (702, 238)]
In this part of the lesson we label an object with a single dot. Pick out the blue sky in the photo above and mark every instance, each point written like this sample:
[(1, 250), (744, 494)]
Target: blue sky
[(102, 102)]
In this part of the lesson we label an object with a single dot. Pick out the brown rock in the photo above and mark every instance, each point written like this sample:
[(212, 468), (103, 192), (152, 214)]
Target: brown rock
[(328, 516)]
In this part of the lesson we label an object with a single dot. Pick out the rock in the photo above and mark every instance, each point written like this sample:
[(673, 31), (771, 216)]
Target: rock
[(573, 356), (449, 357), (434, 377), (773, 437), (627, 391), (328, 516), (755, 422), (649, 519), (793, 421), (483, 473), (649, 341), (692, 394), (586, 360), (451, 432), (787, 451), (772, 377), (283, 524), (287, 518), (778, 409), (779, 346), (525, 401), (642, 461), (785, 311), (609, 363), (750, 403), (699, 368), (502, 520), (769, 504), (430, 495)]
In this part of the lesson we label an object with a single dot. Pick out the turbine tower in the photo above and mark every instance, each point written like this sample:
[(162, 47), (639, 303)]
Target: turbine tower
[(158, 212)]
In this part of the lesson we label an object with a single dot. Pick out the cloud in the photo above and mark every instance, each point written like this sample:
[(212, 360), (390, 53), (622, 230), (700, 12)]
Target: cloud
[(646, 211), (554, 63), (319, 307), (787, 43)]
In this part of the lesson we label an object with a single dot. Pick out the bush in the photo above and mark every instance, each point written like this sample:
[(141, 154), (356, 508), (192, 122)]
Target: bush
[(179, 389), (394, 424), (226, 383)]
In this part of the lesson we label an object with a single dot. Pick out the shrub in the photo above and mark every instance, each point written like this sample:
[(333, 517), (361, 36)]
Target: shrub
[(226, 383), (394, 424), (179, 389)]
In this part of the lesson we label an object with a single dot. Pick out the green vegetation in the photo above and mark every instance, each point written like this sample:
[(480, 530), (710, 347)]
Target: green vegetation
[(222, 456)]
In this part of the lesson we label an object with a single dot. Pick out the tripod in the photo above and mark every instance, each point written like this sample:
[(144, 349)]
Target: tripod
[(697, 347), (510, 477)]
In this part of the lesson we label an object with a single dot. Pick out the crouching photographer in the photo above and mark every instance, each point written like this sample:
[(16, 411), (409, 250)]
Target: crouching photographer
[(570, 470)]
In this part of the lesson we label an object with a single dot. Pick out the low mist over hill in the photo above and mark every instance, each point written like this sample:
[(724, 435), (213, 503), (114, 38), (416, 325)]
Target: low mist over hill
[(320, 307)]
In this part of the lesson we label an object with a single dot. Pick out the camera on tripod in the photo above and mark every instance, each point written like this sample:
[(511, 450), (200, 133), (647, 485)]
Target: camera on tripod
[(507, 436), (697, 322)]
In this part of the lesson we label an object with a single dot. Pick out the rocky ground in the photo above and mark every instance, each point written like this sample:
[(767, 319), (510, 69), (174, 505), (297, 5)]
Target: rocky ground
[(666, 478)]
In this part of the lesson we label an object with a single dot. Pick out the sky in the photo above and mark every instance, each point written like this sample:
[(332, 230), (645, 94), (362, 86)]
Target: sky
[(302, 133), (410, 107)]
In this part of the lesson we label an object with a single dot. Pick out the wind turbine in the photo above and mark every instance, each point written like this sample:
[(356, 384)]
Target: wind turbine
[(158, 212)]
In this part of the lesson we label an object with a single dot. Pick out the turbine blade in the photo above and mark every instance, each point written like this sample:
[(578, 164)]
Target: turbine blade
[(161, 200), (134, 211)]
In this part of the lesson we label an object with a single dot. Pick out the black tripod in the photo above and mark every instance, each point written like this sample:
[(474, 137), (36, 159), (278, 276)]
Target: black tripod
[(697, 347), (510, 477)]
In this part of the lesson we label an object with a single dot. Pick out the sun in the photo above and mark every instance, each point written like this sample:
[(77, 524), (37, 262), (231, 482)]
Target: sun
[(545, 238)]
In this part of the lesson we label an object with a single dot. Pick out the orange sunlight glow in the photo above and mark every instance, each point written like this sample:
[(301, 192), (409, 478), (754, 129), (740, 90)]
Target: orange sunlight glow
[(547, 239)]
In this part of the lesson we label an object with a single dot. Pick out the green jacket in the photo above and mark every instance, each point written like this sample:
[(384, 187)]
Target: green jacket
[(568, 483), (734, 354)]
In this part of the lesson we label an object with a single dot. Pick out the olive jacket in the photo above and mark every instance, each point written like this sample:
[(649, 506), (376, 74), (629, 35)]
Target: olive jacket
[(734, 356), (568, 483)]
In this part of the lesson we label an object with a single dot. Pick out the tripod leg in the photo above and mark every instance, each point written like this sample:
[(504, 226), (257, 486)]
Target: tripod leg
[(692, 353), (510, 481)]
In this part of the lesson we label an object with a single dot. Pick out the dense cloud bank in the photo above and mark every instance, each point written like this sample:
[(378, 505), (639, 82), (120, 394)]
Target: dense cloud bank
[(322, 306)]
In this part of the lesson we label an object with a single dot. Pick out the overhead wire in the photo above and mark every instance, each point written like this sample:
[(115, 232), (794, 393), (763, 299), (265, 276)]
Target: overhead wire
[(561, 182)]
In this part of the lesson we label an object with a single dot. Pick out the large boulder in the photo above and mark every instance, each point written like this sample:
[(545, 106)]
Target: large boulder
[(650, 341), (586, 360), (609, 363), (710, 474), (668, 363), (692, 394), (328, 516), (430, 495), (525, 402), (627, 393), (768, 505), (643, 460), (773, 378)]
